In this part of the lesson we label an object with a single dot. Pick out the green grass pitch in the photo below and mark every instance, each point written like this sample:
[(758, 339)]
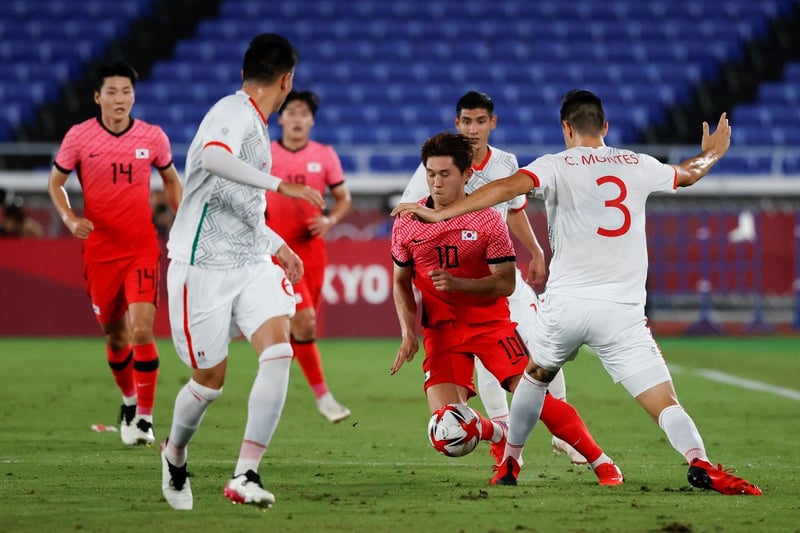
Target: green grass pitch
[(376, 471)]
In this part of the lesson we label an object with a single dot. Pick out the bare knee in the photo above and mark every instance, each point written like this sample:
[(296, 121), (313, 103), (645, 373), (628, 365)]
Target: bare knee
[(304, 325), (540, 374)]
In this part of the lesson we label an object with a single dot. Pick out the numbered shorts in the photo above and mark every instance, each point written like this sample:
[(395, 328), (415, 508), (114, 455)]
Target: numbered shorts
[(113, 285), (450, 350), (208, 308), (618, 333)]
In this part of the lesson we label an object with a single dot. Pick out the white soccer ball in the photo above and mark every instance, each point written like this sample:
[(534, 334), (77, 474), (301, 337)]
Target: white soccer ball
[(454, 430)]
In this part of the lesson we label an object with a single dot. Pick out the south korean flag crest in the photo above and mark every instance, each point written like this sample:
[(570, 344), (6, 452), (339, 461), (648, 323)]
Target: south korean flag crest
[(469, 235), (142, 153)]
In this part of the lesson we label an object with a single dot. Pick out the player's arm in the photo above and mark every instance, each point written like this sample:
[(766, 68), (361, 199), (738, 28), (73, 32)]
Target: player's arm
[(406, 307), (488, 195), (500, 282), (218, 160), (341, 206), (78, 226), (712, 148), (172, 186), (520, 226)]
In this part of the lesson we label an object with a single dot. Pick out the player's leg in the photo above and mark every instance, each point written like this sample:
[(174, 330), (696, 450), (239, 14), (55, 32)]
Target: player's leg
[(441, 394), (523, 305), (201, 341), (306, 352), (635, 360), (263, 312), (105, 282)]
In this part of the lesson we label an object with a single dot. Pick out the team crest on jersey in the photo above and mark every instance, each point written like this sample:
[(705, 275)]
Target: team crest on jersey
[(469, 235), (142, 153), (314, 167)]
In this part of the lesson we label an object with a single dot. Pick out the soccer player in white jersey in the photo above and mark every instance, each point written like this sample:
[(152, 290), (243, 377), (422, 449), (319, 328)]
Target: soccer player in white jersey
[(221, 280), (475, 119), (595, 199)]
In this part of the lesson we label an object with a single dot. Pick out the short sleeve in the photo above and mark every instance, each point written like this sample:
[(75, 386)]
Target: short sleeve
[(499, 248), (68, 155), (335, 174), (401, 254), (226, 125), (661, 177), (163, 151), (543, 174)]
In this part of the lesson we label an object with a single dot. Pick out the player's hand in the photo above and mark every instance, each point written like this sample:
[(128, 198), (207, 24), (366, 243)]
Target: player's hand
[(291, 263), (419, 211), (537, 273), (444, 280), (303, 192), (80, 227), (319, 225), (405, 353), (720, 140)]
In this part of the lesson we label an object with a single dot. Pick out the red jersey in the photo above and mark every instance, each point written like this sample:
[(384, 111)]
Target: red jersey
[(114, 170), (464, 245), (315, 165)]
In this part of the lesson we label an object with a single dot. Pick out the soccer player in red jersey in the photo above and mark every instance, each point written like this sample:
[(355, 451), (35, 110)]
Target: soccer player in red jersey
[(296, 158), (464, 268), (113, 156)]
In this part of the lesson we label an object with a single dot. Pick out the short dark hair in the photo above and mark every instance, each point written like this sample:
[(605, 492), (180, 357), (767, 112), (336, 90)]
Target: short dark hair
[(110, 70), (455, 145), (309, 97), (583, 110), (268, 57), (475, 100)]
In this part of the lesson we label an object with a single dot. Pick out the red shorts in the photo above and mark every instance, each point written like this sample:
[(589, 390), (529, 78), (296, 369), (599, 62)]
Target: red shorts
[(113, 285), (450, 350), (308, 291)]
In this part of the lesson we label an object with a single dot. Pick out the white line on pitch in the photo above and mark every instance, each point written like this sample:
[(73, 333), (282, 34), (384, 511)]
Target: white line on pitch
[(722, 377)]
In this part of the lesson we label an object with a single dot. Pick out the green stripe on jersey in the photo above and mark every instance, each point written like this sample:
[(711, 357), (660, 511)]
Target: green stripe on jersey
[(197, 233)]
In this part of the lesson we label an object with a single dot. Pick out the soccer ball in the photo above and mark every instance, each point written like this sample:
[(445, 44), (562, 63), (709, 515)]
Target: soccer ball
[(454, 430)]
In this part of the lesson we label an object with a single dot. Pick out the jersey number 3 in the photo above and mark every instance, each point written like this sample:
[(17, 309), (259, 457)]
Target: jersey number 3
[(616, 203)]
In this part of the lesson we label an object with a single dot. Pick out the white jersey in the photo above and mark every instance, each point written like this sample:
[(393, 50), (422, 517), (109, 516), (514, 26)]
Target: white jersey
[(498, 164), (595, 201), (220, 223)]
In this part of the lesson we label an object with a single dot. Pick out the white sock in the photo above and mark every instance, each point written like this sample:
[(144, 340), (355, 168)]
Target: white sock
[(265, 405), (558, 387), (493, 396), (526, 407), (682, 433), (190, 406)]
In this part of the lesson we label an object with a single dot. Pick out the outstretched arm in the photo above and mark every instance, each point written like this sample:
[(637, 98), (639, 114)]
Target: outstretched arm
[(713, 147), (220, 162), (490, 194)]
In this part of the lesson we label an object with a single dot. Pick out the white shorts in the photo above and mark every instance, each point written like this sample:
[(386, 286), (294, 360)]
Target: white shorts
[(618, 333), (522, 304), (208, 308)]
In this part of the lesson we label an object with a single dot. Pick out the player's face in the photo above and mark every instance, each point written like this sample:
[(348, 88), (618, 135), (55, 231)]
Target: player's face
[(296, 120), (115, 98), (476, 125), (445, 181)]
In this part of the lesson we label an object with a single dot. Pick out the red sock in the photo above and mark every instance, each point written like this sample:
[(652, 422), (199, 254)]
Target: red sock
[(564, 422), (145, 369), (120, 363), (487, 427), (307, 355)]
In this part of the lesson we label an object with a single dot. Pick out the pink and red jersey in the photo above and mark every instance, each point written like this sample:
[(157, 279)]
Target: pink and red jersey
[(114, 171), (315, 165), (464, 245)]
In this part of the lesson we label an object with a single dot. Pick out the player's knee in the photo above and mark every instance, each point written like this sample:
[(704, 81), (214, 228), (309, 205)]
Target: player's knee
[(304, 327), (540, 374), (141, 333)]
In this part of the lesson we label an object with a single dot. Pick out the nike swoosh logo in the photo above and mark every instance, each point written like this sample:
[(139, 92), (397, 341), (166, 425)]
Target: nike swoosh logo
[(417, 241), (94, 155)]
